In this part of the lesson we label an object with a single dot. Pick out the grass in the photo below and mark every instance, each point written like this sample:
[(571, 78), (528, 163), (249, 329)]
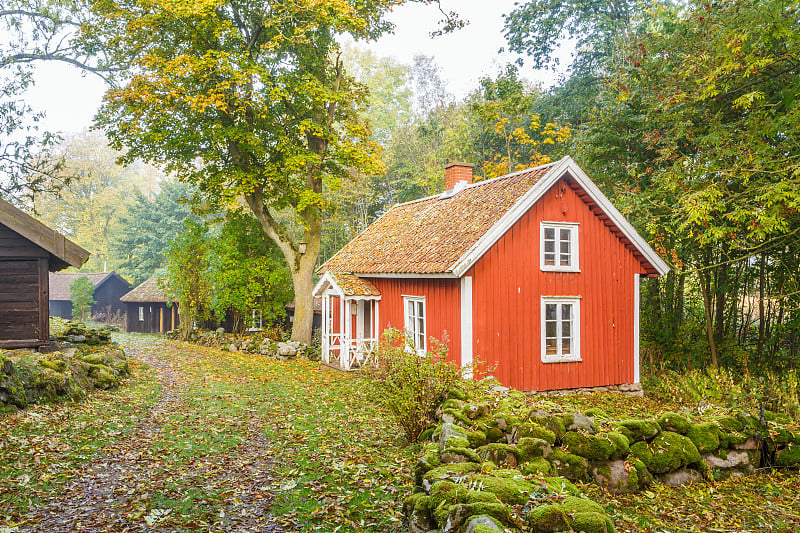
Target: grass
[(306, 441)]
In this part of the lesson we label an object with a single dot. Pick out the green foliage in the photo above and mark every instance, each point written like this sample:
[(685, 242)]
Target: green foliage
[(146, 226), (81, 293), (410, 386), (186, 280), (247, 273)]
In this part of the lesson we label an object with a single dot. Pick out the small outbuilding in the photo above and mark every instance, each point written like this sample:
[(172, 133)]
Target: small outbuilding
[(29, 251), (109, 287), (149, 310), (535, 272)]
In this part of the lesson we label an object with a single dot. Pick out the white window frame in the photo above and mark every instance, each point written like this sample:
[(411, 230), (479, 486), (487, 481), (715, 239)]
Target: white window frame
[(574, 265), (412, 334), (575, 338), (141, 313)]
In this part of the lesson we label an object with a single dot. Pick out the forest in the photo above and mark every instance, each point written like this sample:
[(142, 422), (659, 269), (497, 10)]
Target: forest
[(256, 143)]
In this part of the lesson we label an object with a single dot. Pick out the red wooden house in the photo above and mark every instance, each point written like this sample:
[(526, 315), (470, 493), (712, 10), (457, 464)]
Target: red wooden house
[(534, 272)]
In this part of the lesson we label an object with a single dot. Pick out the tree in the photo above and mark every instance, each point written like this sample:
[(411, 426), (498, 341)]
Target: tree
[(146, 226), (81, 293), (248, 100), (698, 137)]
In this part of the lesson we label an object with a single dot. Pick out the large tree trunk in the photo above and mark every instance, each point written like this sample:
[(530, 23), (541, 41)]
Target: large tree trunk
[(303, 280)]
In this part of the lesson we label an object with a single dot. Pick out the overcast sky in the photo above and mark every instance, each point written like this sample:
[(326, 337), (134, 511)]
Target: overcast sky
[(71, 100)]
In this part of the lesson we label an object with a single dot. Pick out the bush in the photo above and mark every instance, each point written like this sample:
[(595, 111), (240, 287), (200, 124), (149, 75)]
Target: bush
[(411, 386)]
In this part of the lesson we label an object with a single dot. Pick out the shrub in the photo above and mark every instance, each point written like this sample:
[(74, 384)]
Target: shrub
[(412, 386)]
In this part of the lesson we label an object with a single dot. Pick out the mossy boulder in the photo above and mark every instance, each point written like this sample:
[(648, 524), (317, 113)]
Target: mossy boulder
[(638, 430), (597, 413), (528, 448), (449, 472), (705, 436), (577, 504), (617, 477), (536, 466), (455, 415), (592, 447), (459, 455), (571, 466), (621, 445), (509, 490), (669, 451), (789, 456), (578, 422), (548, 518), (535, 431), (591, 522), (674, 422), (476, 438), (500, 454), (548, 421), (453, 517), (482, 524)]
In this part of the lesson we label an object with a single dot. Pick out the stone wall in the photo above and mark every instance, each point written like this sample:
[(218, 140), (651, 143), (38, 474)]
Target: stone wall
[(492, 464), (254, 344)]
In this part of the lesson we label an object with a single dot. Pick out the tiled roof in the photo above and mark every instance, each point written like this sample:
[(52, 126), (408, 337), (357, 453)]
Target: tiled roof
[(353, 285), (148, 291), (60, 282), (428, 236)]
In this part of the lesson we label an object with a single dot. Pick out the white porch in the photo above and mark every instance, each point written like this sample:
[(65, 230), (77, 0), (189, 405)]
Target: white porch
[(350, 320)]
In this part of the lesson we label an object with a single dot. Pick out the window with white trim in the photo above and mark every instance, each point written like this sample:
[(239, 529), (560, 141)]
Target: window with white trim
[(415, 322), (561, 332), (559, 246), (141, 313)]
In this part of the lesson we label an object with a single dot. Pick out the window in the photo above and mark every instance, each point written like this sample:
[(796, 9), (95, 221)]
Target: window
[(559, 247), (415, 322), (141, 313), (561, 336)]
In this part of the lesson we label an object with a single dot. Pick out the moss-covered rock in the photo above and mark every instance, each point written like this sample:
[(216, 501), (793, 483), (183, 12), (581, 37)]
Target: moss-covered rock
[(577, 504), (509, 490), (449, 472), (528, 448), (789, 456), (674, 422), (705, 436), (500, 454), (459, 455), (669, 451), (617, 477), (591, 522), (638, 430), (621, 445), (453, 517), (548, 518), (548, 421), (535, 431), (476, 438), (571, 466), (592, 447), (456, 416), (537, 465)]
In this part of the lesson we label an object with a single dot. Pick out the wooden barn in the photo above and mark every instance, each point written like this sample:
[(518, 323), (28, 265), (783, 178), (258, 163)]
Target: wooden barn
[(109, 287), (534, 272), (29, 250), (149, 310)]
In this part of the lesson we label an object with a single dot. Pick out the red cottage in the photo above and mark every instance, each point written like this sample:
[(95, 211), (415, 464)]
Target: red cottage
[(534, 272)]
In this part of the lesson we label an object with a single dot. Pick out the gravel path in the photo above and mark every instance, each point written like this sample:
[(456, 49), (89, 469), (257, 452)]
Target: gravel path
[(114, 492)]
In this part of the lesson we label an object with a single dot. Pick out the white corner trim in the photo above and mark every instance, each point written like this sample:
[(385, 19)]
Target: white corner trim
[(526, 201), (466, 325), (636, 367)]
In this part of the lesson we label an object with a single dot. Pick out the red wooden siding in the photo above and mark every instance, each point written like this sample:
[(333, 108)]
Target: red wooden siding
[(442, 308), (507, 289)]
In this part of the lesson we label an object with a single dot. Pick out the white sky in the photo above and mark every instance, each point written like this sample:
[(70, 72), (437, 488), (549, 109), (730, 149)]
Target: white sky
[(70, 99)]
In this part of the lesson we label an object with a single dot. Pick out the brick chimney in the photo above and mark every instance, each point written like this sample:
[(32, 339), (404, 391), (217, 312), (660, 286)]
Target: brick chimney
[(455, 173)]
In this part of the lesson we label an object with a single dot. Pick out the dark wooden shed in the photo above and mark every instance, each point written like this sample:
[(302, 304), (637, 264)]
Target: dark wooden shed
[(29, 250), (109, 287), (149, 310)]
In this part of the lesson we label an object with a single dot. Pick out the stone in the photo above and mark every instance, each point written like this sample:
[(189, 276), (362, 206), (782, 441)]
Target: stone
[(220, 331), (674, 422), (749, 444), (669, 451), (638, 430), (581, 423), (286, 349), (681, 476), (705, 436), (592, 447), (233, 348), (733, 460), (616, 477), (487, 523), (571, 466), (548, 518)]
